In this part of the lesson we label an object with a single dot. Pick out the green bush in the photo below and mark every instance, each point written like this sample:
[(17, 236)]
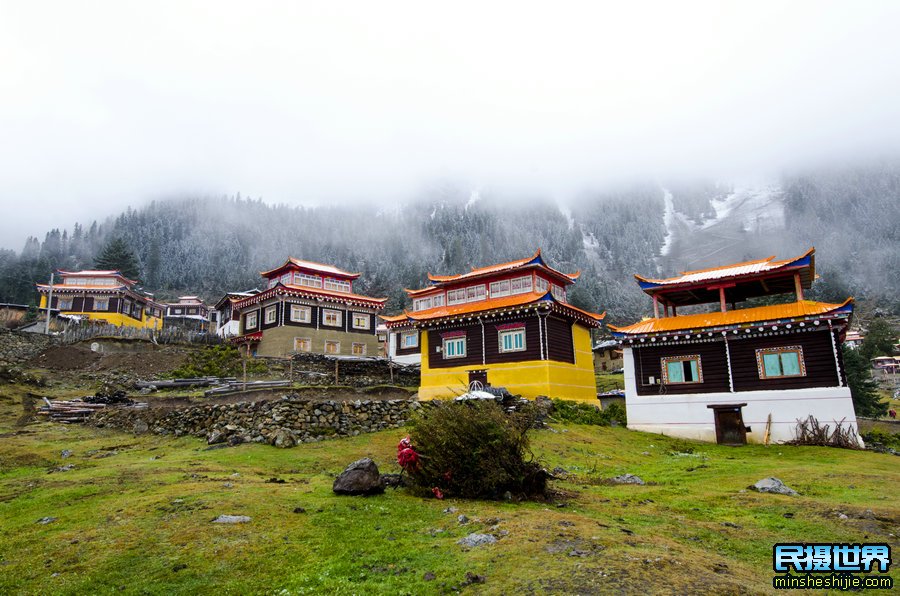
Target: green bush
[(474, 450), (581, 413), (891, 440), (216, 361)]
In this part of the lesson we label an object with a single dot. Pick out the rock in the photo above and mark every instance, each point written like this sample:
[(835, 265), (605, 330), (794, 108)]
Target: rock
[(559, 471), (215, 437), (627, 479), (429, 576), (64, 468), (46, 520), (299, 510), (231, 519), (140, 427), (773, 485), (472, 578), (462, 519), (473, 540), (393, 480), (284, 439), (451, 510), (730, 525), (843, 516), (65, 453), (360, 478)]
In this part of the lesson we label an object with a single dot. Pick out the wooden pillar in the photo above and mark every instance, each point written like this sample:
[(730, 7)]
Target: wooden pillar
[(798, 287), (655, 307), (674, 312), (722, 299)]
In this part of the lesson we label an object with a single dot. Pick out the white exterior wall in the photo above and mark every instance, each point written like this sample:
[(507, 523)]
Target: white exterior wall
[(687, 416), (393, 339), (229, 329)]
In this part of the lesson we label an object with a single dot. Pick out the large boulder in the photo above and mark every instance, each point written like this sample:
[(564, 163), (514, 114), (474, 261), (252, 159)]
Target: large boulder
[(773, 485), (360, 478)]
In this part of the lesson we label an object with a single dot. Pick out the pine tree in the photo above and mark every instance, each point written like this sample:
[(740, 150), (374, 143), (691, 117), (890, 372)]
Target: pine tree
[(866, 400), (116, 256)]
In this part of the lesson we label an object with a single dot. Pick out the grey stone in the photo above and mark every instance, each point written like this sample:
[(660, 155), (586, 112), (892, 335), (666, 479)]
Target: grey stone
[(231, 519), (474, 540), (773, 485), (215, 437), (140, 427), (46, 520), (627, 479), (462, 519), (360, 478), (65, 453)]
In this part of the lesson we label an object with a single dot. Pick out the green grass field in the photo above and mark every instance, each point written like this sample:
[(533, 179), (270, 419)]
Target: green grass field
[(134, 514)]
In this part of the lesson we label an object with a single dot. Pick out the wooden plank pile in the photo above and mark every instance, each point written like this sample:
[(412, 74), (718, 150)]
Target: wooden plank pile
[(188, 382), (235, 386), (75, 410)]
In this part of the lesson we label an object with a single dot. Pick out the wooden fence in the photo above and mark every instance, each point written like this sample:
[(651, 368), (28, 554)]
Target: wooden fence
[(76, 332)]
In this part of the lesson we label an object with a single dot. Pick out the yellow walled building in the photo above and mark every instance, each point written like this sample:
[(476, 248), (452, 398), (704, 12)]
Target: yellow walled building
[(104, 297), (507, 325)]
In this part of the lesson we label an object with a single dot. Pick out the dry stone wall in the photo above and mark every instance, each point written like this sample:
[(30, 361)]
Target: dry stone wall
[(17, 347), (284, 422)]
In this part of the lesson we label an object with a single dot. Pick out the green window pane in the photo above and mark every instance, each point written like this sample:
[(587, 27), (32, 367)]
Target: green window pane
[(694, 374), (790, 363), (772, 365), (675, 372)]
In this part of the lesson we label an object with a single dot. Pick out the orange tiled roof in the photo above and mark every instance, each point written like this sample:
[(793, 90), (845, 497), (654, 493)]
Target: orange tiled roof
[(393, 318), (759, 314), (492, 304), (320, 267), (265, 294), (735, 269), (499, 268)]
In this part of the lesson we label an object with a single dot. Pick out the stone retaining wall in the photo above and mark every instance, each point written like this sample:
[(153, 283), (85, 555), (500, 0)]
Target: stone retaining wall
[(283, 422), (17, 347)]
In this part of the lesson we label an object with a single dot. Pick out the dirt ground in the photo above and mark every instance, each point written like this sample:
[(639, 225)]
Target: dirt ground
[(143, 363)]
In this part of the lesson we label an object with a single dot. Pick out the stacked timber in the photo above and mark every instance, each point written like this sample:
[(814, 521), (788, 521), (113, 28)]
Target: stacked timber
[(235, 386), (75, 410), (188, 382)]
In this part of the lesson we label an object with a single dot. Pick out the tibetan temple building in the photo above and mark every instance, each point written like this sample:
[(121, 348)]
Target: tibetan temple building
[(308, 307), (507, 325), (103, 297), (189, 312), (737, 374)]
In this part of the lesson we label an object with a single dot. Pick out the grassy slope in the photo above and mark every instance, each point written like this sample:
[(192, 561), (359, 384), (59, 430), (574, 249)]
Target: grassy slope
[(139, 520)]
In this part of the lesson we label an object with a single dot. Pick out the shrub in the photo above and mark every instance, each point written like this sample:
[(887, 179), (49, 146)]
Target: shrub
[(473, 450), (887, 439), (216, 361), (810, 432), (582, 413)]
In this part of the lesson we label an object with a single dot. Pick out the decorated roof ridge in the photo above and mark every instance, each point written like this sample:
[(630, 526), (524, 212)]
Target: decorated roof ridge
[(470, 308), (754, 315), (305, 289), (64, 287), (321, 267), (96, 273), (535, 259), (753, 267), (393, 318)]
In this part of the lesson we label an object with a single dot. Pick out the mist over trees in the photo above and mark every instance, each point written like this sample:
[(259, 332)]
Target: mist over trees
[(210, 245)]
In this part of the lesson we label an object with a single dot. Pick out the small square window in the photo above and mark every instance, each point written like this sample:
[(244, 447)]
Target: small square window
[(409, 339), (681, 369), (101, 303), (360, 321), (512, 340), (332, 347), (271, 314), (777, 363), (454, 347), (302, 344), (300, 313), (332, 318), (358, 349), (250, 321)]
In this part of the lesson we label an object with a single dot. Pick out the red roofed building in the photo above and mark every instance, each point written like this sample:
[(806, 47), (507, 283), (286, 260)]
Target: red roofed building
[(308, 307), (736, 374), (507, 325)]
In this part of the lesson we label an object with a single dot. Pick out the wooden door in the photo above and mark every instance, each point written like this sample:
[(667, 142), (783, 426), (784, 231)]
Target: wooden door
[(730, 429), (478, 375)]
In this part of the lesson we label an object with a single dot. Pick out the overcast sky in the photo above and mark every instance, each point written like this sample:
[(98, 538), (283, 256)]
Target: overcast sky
[(109, 104)]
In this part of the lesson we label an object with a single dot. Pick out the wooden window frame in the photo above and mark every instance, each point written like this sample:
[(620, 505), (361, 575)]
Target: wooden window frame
[(527, 285), (404, 334), (334, 343), (254, 316), (664, 362), (438, 300), (101, 301), (338, 317), (303, 309), (499, 289), (308, 280), (337, 285), (364, 317), (516, 331), (760, 364), (421, 304), (65, 303), (308, 341), (273, 310), (448, 340), (354, 346), (451, 296), (476, 295)]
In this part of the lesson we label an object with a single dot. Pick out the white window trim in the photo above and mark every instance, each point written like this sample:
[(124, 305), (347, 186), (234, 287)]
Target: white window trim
[(306, 339), (304, 311), (251, 317), (405, 334), (328, 311), (367, 321), (504, 332), (336, 343), (104, 301), (451, 299), (356, 345), (447, 340), (499, 288), (273, 311), (527, 285)]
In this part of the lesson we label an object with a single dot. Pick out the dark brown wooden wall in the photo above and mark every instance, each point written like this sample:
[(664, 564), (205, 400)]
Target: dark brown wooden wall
[(560, 344), (817, 355), (648, 363)]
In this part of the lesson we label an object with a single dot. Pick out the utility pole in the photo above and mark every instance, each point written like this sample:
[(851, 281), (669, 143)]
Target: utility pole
[(49, 302)]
